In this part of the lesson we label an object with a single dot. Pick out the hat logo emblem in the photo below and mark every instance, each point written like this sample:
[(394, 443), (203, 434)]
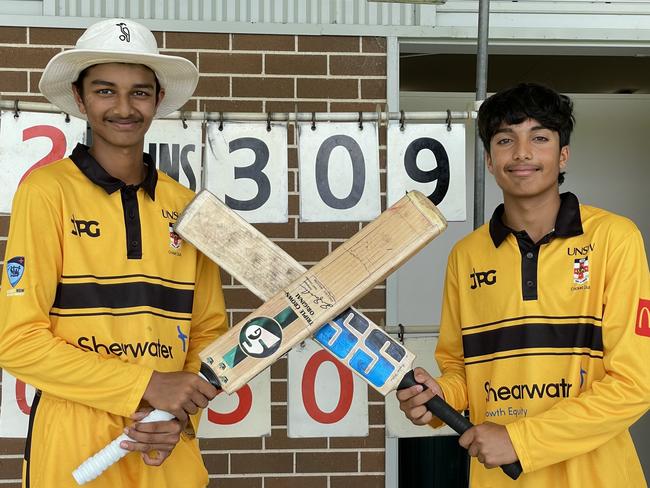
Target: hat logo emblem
[(126, 35)]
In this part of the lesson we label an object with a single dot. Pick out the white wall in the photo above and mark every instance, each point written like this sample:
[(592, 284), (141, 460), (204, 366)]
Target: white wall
[(608, 167)]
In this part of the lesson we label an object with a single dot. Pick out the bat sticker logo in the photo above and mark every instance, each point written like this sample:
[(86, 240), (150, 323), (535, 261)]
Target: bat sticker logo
[(369, 352), (260, 337)]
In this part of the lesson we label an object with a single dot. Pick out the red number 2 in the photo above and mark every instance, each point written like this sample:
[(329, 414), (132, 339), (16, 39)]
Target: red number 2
[(55, 135)]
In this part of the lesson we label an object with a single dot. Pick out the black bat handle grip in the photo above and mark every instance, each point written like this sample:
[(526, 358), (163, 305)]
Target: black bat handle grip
[(210, 376), (441, 409)]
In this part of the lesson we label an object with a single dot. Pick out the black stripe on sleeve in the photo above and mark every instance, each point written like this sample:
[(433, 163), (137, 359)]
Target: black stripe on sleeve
[(122, 295), (530, 336)]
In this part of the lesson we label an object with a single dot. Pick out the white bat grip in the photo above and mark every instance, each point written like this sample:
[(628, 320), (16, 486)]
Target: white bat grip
[(95, 465)]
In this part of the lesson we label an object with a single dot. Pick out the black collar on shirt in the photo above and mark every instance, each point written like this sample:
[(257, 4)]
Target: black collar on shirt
[(567, 222), (98, 175)]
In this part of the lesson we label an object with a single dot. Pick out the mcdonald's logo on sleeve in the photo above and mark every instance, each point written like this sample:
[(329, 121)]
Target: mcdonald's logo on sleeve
[(643, 318)]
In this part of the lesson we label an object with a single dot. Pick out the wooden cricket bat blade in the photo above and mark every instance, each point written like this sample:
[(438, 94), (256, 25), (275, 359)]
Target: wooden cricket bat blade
[(299, 309), (234, 244), (351, 337)]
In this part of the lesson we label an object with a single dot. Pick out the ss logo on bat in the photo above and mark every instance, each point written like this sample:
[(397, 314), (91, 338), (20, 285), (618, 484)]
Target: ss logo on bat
[(371, 353)]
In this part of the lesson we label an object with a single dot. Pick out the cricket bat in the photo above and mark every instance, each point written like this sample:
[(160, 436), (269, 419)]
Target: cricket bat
[(298, 301), (264, 268), (304, 302)]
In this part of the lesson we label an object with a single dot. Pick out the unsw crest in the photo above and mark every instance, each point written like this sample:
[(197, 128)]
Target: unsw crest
[(175, 240), (581, 270)]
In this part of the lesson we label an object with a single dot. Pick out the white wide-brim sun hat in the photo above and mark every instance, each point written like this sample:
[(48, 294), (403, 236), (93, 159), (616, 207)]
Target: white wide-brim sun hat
[(118, 41)]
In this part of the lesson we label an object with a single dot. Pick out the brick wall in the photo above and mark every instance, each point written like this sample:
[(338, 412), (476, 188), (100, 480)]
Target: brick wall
[(254, 73)]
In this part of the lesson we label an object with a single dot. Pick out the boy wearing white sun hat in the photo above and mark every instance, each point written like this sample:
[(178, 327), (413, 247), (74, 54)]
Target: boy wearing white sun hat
[(103, 308), (118, 41)]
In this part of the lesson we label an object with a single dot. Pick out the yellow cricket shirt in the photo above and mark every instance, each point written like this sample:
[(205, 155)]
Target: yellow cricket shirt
[(99, 291), (552, 339)]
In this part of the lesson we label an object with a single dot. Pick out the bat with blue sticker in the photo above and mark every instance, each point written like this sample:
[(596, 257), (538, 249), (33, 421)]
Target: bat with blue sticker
[(264, 268), (303, 303)]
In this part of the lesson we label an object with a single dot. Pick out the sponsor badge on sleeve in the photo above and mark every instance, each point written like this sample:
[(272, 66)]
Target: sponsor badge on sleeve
[(15, 270), (643, 318)]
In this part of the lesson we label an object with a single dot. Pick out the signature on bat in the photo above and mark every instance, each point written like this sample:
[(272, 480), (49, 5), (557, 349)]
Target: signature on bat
[(320, 295)]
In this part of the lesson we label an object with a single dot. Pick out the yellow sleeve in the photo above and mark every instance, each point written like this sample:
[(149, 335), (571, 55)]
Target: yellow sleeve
[(449, 351), (28, 348), (578, 425), (209, 320)]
